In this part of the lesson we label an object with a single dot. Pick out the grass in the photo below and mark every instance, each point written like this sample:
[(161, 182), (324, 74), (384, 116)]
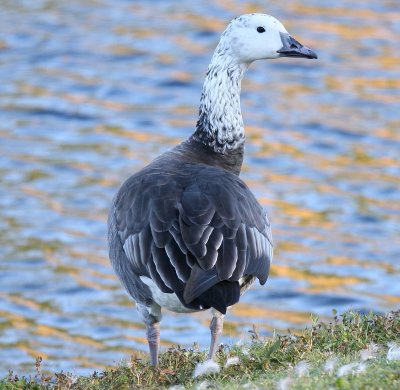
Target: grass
[(278, 362)]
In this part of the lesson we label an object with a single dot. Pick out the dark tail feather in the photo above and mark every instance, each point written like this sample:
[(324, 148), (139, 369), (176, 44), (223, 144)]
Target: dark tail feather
[(220, 296)]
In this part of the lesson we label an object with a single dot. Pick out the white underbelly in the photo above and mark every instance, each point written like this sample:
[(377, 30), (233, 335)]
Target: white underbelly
[(165, 300)]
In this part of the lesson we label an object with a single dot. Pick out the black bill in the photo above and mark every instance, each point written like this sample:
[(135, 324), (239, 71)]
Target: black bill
[(292, 48)]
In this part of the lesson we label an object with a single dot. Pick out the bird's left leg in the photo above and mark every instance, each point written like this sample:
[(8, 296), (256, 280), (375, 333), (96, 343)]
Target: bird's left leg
[(153, 339), (151, 316), (216, 326)]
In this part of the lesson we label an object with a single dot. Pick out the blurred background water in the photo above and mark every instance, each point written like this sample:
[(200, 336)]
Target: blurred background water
[(92, 90)]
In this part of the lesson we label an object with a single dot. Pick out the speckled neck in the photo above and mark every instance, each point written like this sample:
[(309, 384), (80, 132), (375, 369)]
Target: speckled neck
[(220, 123)]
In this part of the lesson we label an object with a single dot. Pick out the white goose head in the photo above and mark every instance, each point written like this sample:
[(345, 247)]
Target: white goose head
[(253, 37), (247, 38)]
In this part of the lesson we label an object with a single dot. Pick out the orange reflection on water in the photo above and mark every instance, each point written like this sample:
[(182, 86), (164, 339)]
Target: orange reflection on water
[(321, 281), (249, 311)]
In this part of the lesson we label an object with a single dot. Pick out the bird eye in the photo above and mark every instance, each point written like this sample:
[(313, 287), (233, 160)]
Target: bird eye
[(260, 29)]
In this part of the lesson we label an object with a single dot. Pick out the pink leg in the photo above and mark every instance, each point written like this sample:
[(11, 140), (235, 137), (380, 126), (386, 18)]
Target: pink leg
[(153, 339), (216, 326)]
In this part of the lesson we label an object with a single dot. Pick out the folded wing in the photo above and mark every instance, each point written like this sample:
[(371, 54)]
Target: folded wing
[(192, 231)]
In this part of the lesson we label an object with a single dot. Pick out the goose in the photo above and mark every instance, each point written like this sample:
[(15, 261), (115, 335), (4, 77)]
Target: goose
[(185, 233)]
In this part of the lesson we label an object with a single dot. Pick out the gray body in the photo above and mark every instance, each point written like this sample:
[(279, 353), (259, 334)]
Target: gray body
[(188, 222)]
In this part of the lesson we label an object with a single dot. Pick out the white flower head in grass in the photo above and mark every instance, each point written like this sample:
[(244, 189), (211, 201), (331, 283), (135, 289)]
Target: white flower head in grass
[(241, 342), (232, 361), (369, 353), (330, 365), (285, 383), (207, 367), (72, 379), (352, 368), (394, 352), (204, 385), (302, 368)]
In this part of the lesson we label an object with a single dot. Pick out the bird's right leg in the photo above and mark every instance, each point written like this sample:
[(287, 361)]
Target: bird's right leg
[(216, 326)]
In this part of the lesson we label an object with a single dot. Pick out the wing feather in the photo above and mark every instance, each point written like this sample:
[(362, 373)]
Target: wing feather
[(166, 269), (178, 260), (154, 274), (227, 261)]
